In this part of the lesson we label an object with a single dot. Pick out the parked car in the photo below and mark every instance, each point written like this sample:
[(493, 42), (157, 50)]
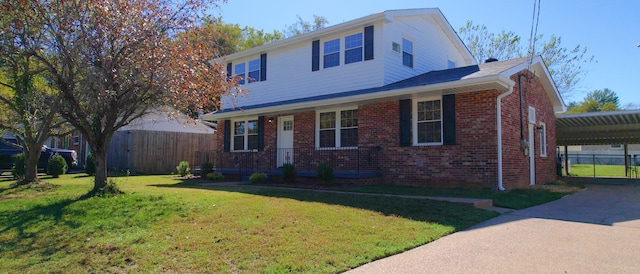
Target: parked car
[(8, 154)]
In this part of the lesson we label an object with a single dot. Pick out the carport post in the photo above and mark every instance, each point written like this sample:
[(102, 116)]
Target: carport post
[(626, 161), (594, 164), (566, 160)]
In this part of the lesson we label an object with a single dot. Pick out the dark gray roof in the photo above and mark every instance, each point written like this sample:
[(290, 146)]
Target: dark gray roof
[(429, 78)]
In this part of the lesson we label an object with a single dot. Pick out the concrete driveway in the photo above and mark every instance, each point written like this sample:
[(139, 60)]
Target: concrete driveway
[(593, 231)]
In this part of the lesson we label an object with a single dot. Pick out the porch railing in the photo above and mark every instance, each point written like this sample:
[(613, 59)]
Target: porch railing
[(303, 159)]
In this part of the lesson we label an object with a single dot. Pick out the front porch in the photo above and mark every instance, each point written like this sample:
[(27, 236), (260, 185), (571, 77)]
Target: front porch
[(348, 163)]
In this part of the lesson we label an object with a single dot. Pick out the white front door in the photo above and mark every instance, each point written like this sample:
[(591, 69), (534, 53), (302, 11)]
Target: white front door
[(532, 156), (285, 140)]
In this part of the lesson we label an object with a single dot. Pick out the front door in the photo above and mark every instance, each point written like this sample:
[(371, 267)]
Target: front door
[(285, 140)]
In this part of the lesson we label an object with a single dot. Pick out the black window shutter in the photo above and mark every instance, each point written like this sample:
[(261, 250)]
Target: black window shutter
[(260, 133), (368, 43), (449, 119), (229, 66), (405, 123), (263, 67), (315, 55), (227, 135)]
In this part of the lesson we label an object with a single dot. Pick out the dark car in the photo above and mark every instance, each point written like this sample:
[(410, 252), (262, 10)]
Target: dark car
[(8, 154)]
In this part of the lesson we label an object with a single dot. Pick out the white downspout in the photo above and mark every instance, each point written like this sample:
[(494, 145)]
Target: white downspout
[(499, 129)]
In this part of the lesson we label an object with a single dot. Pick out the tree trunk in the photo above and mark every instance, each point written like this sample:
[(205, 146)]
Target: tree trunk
[(100, 180), (31, 166)]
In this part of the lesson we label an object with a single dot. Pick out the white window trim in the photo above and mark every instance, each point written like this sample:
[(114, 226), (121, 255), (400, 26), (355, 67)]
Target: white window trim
[(246, 134), (339, 52), (244, 74), (248, 68), (414, 121), (543, 139), (337, 128), (413, 55), (397, 53), (344, 51)]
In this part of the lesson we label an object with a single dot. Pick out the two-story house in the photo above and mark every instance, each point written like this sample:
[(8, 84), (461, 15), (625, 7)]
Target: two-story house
[(395, 95)]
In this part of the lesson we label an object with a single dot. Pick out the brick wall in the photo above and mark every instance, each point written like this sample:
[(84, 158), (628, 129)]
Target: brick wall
[(471, 161), (516, 168)]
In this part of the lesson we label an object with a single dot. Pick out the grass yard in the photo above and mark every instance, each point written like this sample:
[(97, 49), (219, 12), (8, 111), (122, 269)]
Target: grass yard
[(587, 170), (514, 199), (164, 224)]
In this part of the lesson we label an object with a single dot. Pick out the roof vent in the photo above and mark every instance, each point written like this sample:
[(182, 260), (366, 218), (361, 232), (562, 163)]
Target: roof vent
[(491, 60)]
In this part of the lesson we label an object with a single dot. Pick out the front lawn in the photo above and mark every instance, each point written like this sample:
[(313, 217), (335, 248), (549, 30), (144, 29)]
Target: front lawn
[(164, 224), (514, 199)]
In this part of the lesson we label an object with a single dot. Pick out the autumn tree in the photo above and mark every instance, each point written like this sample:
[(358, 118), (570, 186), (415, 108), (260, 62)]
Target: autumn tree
[(115, 61), (596, 101), (232, 38), (566, 65), (28, 102)]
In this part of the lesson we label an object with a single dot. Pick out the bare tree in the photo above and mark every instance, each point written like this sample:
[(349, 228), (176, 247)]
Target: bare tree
[(566, 65)]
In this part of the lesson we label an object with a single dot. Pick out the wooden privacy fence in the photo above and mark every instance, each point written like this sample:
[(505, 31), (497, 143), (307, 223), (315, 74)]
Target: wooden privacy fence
[(155, 152)]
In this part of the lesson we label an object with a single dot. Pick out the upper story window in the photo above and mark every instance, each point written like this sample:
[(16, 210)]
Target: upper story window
[(427, 125), (407, 53), (240, 73), (396, 47), (337, 128), (254, 71), (245, 135), (543, 139), (332, 53), (353, 48)]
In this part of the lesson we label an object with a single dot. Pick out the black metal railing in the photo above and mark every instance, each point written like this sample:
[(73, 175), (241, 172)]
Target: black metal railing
[(303, 159)]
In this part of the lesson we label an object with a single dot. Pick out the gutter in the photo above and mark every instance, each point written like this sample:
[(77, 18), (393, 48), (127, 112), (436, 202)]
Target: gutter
[(499, 132)]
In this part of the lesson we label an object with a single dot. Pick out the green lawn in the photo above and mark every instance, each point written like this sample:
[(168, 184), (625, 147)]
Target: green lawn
[(586, 170), (514, 199), (164, 224)]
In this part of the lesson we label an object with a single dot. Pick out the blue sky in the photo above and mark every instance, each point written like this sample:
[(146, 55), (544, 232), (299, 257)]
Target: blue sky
[(609, 29)]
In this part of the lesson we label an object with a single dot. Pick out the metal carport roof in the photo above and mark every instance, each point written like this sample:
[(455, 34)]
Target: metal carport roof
[(598, 128)]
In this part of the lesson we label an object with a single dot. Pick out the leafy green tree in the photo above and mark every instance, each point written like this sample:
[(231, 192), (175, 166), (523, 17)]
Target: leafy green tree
[(301, 26), (29, 104), (231, 38), (566, 65), (596, 101)]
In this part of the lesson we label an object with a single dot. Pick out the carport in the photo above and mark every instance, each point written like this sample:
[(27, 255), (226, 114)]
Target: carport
[(598, 128)]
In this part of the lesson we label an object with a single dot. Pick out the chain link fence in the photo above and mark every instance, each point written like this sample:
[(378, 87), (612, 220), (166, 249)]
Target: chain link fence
[(601, 165)]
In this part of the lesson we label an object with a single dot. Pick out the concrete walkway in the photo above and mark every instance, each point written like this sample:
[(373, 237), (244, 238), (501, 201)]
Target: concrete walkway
[(593, 231)]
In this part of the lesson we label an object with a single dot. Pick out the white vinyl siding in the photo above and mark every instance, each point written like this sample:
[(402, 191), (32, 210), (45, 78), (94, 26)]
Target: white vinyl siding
[(290, 76)]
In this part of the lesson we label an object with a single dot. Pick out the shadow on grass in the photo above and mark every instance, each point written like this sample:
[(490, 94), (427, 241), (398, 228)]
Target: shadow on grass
[(459, 216), (33, 224)]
